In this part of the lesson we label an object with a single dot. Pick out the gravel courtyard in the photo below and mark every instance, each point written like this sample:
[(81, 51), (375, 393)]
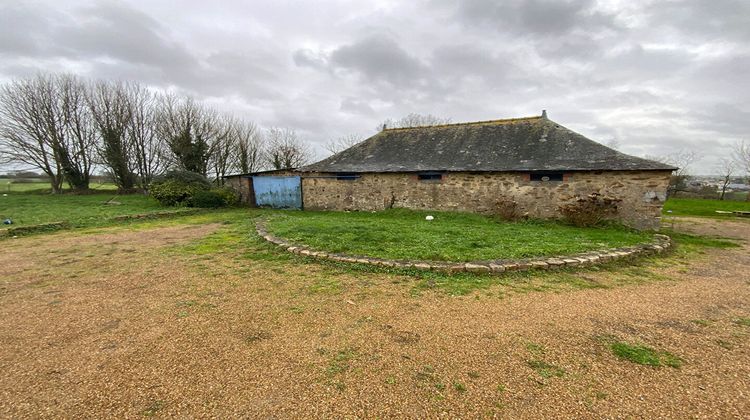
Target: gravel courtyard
[(157, 320)]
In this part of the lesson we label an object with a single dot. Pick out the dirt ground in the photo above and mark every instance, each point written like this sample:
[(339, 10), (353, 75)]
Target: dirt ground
[(120, 323)]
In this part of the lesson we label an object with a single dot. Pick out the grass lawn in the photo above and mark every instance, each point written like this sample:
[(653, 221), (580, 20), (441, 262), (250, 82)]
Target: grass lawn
[(79, 210), (703, 207), (405, 234), (42, 186)]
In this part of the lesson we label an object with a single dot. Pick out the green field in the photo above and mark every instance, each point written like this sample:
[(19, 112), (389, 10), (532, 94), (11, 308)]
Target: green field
[(703, 207), (41, 186), (79, 210), (404, 234)]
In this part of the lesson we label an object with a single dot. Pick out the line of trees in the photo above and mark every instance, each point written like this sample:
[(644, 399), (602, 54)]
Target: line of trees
[(67, 127)]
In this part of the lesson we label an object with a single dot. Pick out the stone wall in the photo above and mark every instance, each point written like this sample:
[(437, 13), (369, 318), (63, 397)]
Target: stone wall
[(242, 185), (642, 193)]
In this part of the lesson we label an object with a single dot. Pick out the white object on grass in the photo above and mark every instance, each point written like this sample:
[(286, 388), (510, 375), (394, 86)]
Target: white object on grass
[(429, 218)]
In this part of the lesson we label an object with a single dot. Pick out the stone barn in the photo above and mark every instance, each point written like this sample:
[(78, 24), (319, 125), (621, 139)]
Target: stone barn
[(475, 167)]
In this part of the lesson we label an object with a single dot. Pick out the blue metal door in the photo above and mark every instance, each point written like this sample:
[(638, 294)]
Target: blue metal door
[(278, 192)]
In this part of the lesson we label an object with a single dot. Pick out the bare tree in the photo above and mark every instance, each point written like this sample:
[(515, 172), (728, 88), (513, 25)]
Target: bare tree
[(682, 159), (741, 155), (285, 150), (249, 143), (148, 150), (75, 148), (112, 111), (190, 130), (26, 118), (414, 120), (613, 144), (46, 124), (343, 143), (727, 169), (223, 150)]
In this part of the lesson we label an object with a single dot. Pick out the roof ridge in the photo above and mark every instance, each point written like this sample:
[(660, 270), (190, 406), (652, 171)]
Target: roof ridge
[(486, 122)]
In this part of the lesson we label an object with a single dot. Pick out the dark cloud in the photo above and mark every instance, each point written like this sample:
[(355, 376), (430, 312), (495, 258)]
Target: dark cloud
[(380, 59), (548, 18)]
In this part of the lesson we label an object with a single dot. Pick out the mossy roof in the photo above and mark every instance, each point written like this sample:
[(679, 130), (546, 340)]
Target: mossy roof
[(518, 144)]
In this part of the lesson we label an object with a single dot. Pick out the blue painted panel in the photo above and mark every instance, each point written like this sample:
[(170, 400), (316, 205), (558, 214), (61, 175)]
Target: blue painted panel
[(279, 192)]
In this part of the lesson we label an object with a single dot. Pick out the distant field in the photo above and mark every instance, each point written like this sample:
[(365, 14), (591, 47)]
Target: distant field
[(9, 185), (703, 207), (79, 210)]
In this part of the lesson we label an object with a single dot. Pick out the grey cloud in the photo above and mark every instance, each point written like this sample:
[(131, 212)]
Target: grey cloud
[(113, 30), (380, 59), (308, 58), (353, 105), (714, 20), (656, 76), (15, 37), (549, 18)]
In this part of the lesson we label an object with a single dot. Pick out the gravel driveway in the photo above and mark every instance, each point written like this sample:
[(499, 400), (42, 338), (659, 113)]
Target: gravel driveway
[(120, 323)]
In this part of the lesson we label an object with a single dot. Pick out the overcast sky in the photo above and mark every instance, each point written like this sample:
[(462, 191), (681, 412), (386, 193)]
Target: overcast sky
[(656, 76)]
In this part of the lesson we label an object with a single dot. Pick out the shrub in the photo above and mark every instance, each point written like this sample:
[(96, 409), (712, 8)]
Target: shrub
[(230, 196), (207, 199), (219, 197), (506, 209), (178, 187), (590, 210)]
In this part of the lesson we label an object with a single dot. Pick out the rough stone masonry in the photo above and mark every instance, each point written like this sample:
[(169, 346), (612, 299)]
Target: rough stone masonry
[(642, 193)]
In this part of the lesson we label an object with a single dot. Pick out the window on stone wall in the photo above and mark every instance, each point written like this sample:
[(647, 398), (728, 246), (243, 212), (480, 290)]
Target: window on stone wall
[(546, 176), (346, 176), (430, 176)]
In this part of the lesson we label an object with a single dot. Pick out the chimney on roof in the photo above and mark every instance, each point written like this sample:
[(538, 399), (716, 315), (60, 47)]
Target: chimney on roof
[(544, 114)]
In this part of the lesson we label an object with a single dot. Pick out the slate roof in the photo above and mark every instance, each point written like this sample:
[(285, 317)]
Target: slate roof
[(518, 144)]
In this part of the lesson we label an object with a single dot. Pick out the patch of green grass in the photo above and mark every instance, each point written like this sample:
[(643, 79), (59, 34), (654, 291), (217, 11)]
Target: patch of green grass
[(78, 210), (745, 322), (644, 355), (703, 207), (41, 186), (325, 286), (701, 322), (534, 348), (340, 361), (405, 234), (726, 345), (459, 387), (694, 242), (544, 369), (153, 408)]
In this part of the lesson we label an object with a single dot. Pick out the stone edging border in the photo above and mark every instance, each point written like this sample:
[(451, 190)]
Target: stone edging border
[(660, 244)]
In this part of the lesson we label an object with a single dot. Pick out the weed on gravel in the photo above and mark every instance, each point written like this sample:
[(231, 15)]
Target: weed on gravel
[(644, 355), (545, 370)]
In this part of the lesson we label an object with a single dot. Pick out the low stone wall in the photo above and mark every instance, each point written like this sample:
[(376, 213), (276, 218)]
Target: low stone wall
[(660, 244), (155, 215), (25, 230)]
